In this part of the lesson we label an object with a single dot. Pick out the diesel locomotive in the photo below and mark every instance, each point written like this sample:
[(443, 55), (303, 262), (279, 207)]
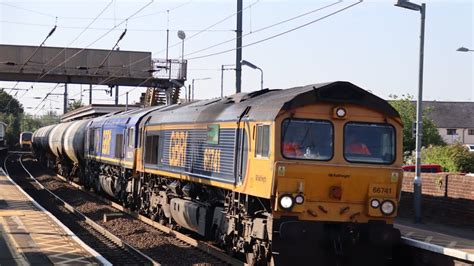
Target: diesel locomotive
[(271, 174)]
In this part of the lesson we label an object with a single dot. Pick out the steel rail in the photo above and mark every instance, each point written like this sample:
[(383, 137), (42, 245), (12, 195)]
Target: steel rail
[(90, 222), (182, 237)]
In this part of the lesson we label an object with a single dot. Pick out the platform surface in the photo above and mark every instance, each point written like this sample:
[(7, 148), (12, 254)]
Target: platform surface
[(31, 235), (448, 241)]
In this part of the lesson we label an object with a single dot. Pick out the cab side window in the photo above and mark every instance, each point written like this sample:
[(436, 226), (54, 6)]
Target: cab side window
[(151, 149), (119, 146), (131, 137), (91, 141), (262, 143)]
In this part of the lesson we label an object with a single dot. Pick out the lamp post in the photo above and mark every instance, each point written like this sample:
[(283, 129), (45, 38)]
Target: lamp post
[(247, 63), (419, 119), (192, 86), (464, 49), (126, 101), (182, 36)]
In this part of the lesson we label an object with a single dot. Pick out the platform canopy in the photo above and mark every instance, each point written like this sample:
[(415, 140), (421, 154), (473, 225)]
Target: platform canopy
[(88, 66)]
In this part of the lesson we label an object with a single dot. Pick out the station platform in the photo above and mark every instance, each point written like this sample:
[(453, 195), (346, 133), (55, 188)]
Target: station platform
[(452, 242), (30, 235)]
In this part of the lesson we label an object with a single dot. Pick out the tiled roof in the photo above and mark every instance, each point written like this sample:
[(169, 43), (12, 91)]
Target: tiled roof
[(451, 114)]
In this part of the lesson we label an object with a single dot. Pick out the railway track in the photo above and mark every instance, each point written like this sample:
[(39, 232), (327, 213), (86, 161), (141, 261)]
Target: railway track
[(161, 244), (97, 237)]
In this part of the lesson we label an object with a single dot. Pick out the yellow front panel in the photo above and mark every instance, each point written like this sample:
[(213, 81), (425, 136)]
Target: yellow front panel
[(322, 181), (315, 181)]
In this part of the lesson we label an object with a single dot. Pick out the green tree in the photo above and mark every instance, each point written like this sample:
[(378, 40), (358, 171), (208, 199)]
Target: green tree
[(10, 113), (30, 123), (406, 106), (453, 158), (50, 118), (74, 105)]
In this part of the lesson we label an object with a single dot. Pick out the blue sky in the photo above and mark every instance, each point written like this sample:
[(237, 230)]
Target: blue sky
[(374, 44)]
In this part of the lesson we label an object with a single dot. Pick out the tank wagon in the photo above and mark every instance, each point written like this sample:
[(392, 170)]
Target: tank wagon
[(312, 171)]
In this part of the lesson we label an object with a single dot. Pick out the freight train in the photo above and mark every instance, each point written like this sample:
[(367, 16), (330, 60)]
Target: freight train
[(272, 175)]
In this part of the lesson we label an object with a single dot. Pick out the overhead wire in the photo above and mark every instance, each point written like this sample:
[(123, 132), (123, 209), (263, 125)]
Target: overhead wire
[(164, 10), (266, 27), (104, 28), (29, 10), (253, 43), (110, 51), (141, 83), (111, 18), (261, 29), (46, 96), (92, 43), (37, 48), (75, 39), (279, 34), (26, 62), (258, 30), (212, 25), (102, 36), (112, 76)]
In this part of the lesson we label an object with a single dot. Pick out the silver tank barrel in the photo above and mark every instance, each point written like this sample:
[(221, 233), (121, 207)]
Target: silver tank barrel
[(56, 137), (40, 138), (73, 140)]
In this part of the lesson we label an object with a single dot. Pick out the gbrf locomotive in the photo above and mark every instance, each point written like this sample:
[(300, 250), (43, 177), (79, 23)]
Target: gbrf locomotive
[(272, 174)]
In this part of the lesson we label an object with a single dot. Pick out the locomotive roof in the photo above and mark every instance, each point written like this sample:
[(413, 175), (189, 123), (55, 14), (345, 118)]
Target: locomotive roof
[(124, 117), (264, 105)]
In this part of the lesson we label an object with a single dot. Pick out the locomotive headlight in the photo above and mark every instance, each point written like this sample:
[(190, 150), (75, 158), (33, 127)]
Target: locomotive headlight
[(299, 199), (375, 203), (341, 112), (286, 202), (387, 207)]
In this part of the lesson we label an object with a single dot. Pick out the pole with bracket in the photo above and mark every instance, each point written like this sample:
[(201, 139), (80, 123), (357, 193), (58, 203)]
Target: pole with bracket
[(238, 50), (90, 94), (65, 98)]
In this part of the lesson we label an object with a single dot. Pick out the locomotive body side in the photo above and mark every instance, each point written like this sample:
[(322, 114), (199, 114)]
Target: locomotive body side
[(110, 150), (223, 160)]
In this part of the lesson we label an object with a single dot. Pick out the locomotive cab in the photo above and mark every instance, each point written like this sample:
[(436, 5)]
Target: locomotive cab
[(337, 178)]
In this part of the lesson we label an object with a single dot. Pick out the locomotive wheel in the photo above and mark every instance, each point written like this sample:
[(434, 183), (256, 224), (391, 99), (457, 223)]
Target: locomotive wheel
[(255, 256), (251, 260)]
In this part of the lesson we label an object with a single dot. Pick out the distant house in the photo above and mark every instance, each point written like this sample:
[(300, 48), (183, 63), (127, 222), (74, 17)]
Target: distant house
[(455, 120)]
